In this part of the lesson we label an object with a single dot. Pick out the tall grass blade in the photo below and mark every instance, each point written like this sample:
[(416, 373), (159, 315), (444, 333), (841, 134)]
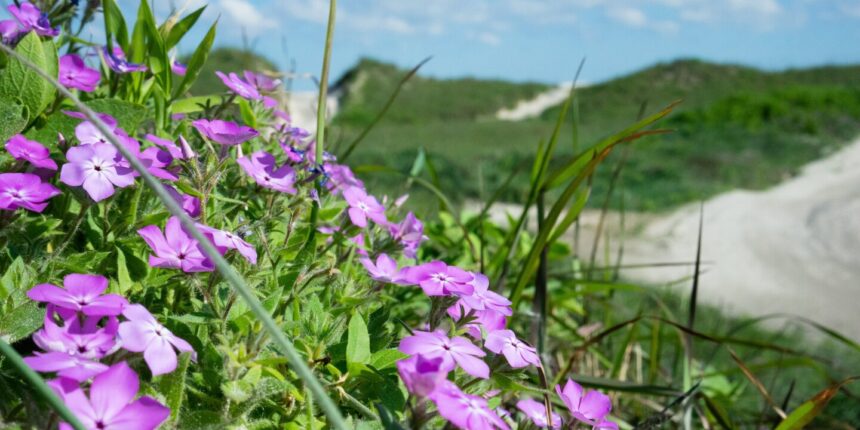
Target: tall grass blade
[(223, 267), (39, 385), (756, 383), (382, 112), (323, 93), (806, 412)]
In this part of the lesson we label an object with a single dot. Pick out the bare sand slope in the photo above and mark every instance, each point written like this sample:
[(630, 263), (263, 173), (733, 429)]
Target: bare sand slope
[(534, 107), (794, 248), (302, 107)]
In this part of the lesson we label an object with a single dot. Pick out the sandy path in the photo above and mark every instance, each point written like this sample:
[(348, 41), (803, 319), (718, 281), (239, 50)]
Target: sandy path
[(533, 108), (794, 248)]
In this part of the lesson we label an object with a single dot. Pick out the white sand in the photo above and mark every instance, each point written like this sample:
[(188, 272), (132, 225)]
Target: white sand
[(792, 249), (533, 108), (302, 107)]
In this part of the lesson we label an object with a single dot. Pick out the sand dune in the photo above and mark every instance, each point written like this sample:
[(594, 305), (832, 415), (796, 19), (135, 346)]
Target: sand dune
[(794, 248)]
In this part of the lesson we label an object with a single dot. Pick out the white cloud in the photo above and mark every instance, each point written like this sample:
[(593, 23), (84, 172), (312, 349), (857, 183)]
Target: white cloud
[(245, 15), (636, 18), (489, 38)]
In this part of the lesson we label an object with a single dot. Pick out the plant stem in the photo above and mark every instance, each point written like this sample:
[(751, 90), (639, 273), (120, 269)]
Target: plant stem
[(321, 102), (37, 383)]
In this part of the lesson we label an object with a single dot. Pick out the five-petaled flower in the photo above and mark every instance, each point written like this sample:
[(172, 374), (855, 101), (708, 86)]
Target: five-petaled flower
[(116, 61), (224, 132), (25, 190), (384, 270), (143, 333), (590, 407), (363, 206), (263, 167), (536, 411), (465, 411), (457, 350), (31, 18), (81, 293), (98, 167), (439, 279), (111, 404), (515, 351), (31, 151), (75, 74), (227, 240), (422, 375), (237, 85), (175, 249)]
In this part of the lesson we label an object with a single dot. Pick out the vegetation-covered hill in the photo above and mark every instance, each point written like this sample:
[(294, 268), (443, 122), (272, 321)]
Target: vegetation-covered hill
[(738, 127)]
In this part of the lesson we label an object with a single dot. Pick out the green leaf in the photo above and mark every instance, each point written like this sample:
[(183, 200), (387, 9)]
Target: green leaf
[(182, 27), (21, 322), (13, 118), (358, 342), (247, 113), (122, 275), (115, 26), (172, 386), (15, 280), (808, 410), (195, 65), (17, 81), (386, 358)]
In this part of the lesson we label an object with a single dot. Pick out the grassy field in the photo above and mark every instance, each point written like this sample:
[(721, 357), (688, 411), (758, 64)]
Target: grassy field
[(737, 127)]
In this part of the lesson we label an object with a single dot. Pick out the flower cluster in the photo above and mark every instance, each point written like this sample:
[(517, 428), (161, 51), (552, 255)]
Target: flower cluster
[(84, 329), (475, 310)]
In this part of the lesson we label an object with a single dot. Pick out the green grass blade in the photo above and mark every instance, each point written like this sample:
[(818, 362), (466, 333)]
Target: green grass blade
[(223, 267), (323, 93), (39, 385)]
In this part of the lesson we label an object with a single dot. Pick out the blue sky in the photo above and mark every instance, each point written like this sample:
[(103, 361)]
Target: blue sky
[(540, 40)]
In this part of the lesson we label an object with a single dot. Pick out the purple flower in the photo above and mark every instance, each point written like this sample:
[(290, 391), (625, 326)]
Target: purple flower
[(175, 249), (263, 167), (31, 151), (187, 152), (224, 132), (98, 167), (79, 336), (31, 18), (227, 240), (25, 190), (409, 232), (111, 404), (9, 31), (363, 206), (178, 68), (457, 350), (240, 87), (75, 74), (81, 293), (166, 144), (422, 375), (340, 178), (515, 351), (74, 367), (488, 309), (385, 269), (439, 279), (117, 62), (590, 407), (536, 411), (157, 162), (190, 204), (261, 81), (465, 410), (143, 333)]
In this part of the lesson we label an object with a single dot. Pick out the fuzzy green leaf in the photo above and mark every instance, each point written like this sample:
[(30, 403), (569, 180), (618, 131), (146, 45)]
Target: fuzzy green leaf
[(17, 81), (358, 342)]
